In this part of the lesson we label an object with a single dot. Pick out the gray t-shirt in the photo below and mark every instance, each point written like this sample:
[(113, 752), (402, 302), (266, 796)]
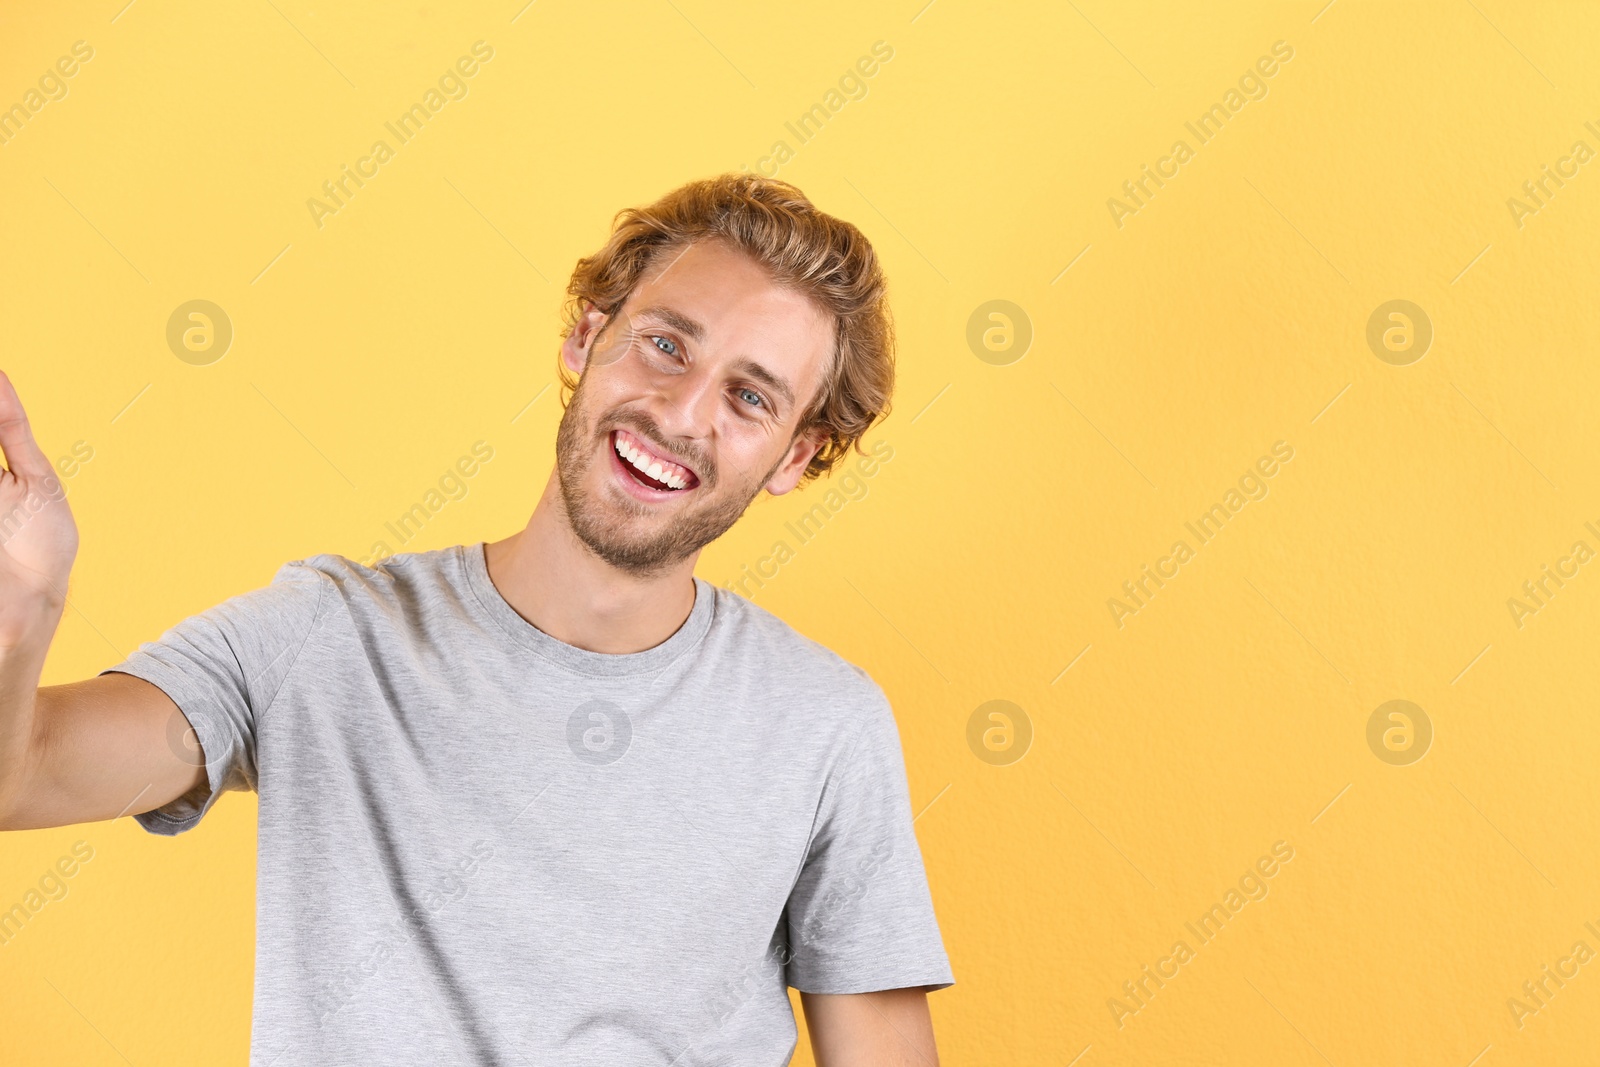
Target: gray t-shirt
[(481, 845)]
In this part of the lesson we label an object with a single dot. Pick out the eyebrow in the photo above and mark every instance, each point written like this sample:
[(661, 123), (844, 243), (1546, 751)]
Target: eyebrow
[(695, 332), (682, 323), (767, 378)]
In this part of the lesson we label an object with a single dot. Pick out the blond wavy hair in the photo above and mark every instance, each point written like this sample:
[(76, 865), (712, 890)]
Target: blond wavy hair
[(825, 258)]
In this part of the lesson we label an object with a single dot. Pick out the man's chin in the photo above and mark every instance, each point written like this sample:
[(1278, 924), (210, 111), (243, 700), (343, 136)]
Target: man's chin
[(645, 538), (628, 550), (641, 537)]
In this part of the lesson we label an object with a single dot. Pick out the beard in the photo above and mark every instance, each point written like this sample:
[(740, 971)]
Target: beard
[(617, 528)]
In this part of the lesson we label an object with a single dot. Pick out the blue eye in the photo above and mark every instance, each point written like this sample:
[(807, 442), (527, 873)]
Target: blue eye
[(666, 344), (751, 392)]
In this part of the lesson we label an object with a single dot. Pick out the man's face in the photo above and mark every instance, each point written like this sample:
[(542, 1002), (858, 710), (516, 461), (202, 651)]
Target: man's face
[(699, 379)]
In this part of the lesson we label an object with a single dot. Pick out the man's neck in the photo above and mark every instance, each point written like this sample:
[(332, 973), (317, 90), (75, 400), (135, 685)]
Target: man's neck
[(557, 583)]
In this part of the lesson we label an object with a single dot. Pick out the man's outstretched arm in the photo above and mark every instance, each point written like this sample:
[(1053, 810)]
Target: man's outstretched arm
[(890, 1028), (88, 750)]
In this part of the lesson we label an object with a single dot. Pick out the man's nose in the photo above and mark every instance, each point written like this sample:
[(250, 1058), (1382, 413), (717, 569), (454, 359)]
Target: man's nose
[(688, 404)]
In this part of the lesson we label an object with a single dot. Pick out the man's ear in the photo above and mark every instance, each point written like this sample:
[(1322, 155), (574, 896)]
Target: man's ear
[(580, 340), (805, 445)]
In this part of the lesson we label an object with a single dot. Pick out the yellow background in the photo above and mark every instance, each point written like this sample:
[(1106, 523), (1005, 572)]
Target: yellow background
[(1229, 313)]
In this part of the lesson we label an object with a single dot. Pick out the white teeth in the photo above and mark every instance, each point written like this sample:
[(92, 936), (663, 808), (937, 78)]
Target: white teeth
[(649, 466)]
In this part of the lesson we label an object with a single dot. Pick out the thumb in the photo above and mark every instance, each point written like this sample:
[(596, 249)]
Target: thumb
[(22, 453)]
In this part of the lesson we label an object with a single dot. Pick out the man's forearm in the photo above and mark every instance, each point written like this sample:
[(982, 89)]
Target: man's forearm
[(21, 667)]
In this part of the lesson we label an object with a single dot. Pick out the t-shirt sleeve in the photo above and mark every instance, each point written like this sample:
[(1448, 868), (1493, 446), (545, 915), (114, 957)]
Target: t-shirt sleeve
[(223, 667), (860, 917)]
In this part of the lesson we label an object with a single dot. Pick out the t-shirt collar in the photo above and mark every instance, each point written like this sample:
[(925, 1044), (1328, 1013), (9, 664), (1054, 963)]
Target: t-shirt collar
[(475, 565)]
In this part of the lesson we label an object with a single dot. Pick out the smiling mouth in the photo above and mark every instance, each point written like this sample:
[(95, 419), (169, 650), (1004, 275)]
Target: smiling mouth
[(649, 469)]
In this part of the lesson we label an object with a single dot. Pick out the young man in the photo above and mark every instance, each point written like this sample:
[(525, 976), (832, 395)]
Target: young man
[(550, 799)]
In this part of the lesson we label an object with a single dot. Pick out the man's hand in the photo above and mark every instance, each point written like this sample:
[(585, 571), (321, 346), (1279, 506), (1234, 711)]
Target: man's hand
[(38, 538), (891, 1028)]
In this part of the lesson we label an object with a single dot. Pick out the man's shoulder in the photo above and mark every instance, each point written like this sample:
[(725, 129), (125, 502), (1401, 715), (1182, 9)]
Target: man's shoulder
[(783, 653), (380, 578)]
